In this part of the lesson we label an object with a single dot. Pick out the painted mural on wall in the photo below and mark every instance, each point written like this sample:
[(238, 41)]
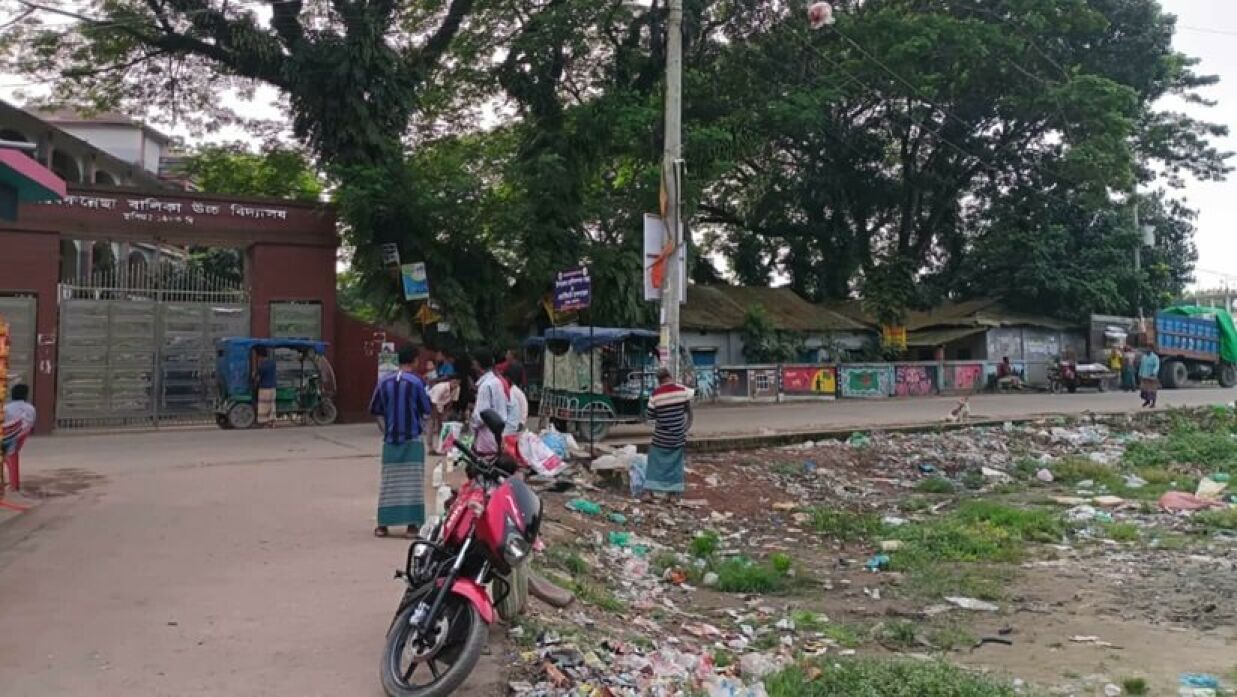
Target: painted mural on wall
[(914, 380), (732, 383), (867, 381), (821, 381), (706, 383), (967, 378)]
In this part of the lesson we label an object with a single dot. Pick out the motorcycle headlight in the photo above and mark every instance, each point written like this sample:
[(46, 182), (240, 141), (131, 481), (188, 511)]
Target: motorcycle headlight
[(516, 549)]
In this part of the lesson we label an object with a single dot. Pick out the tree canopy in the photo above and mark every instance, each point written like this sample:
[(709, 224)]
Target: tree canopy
[(917, 150)]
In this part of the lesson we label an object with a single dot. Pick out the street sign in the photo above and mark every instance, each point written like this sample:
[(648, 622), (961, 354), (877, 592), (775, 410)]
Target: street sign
[(390, 254), (416, 283), (573, 290)]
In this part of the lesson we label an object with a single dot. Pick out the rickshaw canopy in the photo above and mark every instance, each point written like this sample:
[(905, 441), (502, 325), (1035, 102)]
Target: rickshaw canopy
[(587, 338), (233, 356)]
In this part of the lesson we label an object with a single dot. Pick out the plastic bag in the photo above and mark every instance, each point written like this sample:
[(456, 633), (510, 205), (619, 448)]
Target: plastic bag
[(555, 441), (447, 435), (635, 475), (538, 455)]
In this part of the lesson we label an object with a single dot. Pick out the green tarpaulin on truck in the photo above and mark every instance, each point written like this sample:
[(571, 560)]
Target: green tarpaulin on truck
[(1228, 333)]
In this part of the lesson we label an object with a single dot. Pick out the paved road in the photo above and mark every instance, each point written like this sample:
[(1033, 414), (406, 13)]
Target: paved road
[(241, 563)]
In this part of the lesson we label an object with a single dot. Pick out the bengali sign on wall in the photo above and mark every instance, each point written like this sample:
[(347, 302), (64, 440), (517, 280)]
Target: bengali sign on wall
[(965, 378), (817, 381), (866, 381)]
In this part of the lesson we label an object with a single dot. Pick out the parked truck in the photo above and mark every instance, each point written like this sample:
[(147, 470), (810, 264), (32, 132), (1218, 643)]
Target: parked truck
[(1194, 344)]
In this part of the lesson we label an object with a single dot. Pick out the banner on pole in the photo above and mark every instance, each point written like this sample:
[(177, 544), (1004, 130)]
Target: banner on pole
[(654, 243), (416, 283), (573, 290)]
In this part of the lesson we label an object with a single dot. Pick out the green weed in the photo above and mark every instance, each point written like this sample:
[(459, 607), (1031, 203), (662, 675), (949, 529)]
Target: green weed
[(845, 636), (1209, 450), (973, 480), (883, 678), (1122, 532), (705, 544), (723, 658), (781, 563), (595, 594), (1135, 687), (899, 634), (935, 485), (978, 531), (808, 621), (742, 575), (950, 637), (568, 560), (662, 561), (934, 581), (1072, 470), (845, 525), (1220, 519)]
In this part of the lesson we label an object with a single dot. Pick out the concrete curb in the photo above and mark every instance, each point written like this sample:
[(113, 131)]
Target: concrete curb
[(717, 444)]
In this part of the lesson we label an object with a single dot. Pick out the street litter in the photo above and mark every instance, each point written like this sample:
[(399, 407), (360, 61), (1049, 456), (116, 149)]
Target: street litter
[(973, 604), (1094, 640), (1044, 475), (1175, 501), (880, 562), (584, 506), (1210, 489)]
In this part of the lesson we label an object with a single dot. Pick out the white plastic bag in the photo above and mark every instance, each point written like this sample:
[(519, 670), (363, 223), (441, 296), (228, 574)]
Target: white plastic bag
[(538, 455)]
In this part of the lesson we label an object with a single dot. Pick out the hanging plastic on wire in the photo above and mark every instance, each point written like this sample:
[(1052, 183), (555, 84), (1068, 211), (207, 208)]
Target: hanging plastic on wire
[(820, 15)]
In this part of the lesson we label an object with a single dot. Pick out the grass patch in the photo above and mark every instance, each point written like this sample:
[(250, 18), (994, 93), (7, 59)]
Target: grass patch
[(663, 560), (568, 560), (845, 525), (742, 575), (843, 635), (951, 637), (596, 595), (935, 485), (968, 580), (1210, 450), (705, 544), (1072, 470), (979, 531), (973, 480), (1122, 532), (883, 678), (899, 634), (1135, 687), (1221, 519)]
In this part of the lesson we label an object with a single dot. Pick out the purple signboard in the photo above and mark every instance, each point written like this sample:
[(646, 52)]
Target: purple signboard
[(573, 290)]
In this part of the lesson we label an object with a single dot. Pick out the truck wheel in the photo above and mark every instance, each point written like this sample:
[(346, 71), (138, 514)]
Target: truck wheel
[(1175, 375), (1227, 375)]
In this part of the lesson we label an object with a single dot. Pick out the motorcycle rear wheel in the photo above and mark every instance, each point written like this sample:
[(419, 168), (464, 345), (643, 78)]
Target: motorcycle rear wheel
[(465, 636)]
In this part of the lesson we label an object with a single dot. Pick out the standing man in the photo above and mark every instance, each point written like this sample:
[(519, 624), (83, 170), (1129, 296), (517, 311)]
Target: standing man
[(267, 374), (492, 393), (1129, 359), (669, 409), (1149, 377), (401, 406)]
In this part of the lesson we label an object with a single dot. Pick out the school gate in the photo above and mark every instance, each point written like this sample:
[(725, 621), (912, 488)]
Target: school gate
[(135, 346)]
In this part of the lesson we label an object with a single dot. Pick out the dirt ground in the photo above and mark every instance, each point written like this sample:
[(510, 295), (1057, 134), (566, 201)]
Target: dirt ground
[(1073, 616)]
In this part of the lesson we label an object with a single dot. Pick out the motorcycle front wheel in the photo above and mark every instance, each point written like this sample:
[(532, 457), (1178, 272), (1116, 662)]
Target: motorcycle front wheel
[(438, 666)]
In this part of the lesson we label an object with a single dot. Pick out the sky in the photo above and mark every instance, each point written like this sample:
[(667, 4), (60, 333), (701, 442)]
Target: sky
[(1207, 30)]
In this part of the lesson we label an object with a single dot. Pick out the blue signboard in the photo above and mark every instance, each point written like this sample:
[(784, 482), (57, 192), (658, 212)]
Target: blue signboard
[(416, 283), (573, 290)]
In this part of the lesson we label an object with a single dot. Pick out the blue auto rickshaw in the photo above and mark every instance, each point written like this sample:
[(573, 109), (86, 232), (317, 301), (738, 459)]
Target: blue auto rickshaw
[(305, 390)]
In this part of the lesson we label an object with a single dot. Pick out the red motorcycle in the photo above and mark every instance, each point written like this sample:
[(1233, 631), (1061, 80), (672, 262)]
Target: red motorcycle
[(487, 535)]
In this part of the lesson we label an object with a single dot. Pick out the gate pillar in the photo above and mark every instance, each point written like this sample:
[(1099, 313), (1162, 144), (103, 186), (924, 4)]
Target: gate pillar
[(291, 273)]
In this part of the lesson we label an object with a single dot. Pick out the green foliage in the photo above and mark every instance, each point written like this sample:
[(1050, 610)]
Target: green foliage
[(742, 575), (935, 485), (1122, 532), (979, 531), (764, 343), (845, 525), (1219, 519), (964, 161), (1135, 687), (1203, 449), (705, 543), (275, 172), (883, 678)]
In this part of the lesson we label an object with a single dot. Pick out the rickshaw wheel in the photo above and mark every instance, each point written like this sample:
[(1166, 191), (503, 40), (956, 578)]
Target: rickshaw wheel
[(600, 430), (242, 416), (324, 413), (222, 421)]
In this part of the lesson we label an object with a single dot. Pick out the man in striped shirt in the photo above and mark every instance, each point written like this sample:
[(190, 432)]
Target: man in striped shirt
[(670, 411), (401, 406)]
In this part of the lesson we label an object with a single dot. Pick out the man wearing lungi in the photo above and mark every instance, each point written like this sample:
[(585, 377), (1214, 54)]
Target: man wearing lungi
[(401, 405)]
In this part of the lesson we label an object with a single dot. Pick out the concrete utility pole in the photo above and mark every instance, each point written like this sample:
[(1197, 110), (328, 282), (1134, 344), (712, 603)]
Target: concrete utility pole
[(671, 176)]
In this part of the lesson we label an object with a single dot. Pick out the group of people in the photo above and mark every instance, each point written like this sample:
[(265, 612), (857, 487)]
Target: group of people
[(1139, 370), (463, 388), (419, 397)]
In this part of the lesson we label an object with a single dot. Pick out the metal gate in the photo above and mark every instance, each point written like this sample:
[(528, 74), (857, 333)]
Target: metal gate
[(142, 355), (20, 311)]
